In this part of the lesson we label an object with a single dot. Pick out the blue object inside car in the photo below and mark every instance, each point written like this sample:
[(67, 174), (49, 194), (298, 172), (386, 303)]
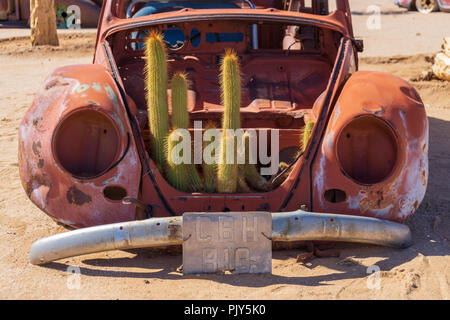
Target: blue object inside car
[(174, 37), (156, 7)]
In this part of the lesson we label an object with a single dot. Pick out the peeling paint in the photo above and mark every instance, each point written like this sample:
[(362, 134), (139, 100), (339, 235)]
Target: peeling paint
[(110, 180), (93, 103), (81, 88), (55, 82), (96, 86), (36, 147), (336, 112), (319, 179), (379, 112), (78, 197), (382, 213), (39, 194)]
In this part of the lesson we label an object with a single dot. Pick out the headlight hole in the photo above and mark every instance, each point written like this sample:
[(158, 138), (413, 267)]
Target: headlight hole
[(86, 143), (367, 150)]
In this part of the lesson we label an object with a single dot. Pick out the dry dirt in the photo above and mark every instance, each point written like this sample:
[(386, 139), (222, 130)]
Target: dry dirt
[(419, 272)]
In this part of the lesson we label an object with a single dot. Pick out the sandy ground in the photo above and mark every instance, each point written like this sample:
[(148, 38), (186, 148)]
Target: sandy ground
[(395, 30), (419, 272)]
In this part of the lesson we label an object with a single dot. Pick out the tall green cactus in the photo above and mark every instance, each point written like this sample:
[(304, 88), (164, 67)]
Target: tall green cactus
[(177, 174), (180, 120), (179, 86), (230, 82), (252, 176), (157, 105), (209, 170), (242, 183), (195, 182)]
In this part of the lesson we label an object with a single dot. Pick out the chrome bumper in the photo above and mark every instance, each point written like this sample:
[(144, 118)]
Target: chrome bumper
[(161, 232)]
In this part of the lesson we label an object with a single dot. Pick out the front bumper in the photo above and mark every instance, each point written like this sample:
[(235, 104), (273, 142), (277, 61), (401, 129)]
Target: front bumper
[(162, 232)]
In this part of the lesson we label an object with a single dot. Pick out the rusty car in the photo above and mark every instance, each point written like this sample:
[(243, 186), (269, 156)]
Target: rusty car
[(85, 158), (424, 6)]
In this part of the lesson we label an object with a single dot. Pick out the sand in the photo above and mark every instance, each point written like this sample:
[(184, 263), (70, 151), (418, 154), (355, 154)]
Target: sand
[(418, 272)]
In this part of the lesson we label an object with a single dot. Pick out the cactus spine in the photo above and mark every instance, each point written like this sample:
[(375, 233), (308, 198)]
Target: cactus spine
[(180, 120), (230, 82), (242, 183), (179, 86), (176, 172), (156, 83), (306, 134), (252, 176), (209, 170), (195, 182)]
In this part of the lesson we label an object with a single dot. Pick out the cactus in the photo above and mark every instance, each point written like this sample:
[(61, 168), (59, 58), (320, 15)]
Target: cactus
[(242, 183), (252, 176), (180, 120), (177, 174), (157, 105), (179, 86), (306, 134), (276, 181), (209, 170), (304, 138), (195, 182), (230, 82)]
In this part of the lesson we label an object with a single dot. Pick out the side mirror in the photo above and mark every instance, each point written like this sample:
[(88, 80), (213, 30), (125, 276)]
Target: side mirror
[(358, 44)]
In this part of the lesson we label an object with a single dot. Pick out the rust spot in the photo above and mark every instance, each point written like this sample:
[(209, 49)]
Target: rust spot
[(93, 103), (375, 200), (380, 112), (174, 231), (36, 148), (37, 121), (55, 82), (265, 206), (35, 182), (77, 196), (424, 178)]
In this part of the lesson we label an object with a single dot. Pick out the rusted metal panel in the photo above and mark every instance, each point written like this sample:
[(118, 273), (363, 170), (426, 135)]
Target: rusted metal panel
[(394, 102), (233, 241), (76, 201)]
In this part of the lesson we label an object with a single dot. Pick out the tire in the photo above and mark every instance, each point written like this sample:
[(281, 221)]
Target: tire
[(426, 6)]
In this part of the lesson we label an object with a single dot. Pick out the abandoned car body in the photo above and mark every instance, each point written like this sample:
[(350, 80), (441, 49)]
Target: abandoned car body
[(84, 144), (424, 6)]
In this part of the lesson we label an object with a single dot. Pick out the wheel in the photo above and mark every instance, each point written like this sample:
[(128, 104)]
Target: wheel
[(426, 6)]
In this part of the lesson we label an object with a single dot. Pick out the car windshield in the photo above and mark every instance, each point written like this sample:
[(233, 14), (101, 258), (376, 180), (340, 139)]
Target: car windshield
[(144, 8), (140, 8)]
